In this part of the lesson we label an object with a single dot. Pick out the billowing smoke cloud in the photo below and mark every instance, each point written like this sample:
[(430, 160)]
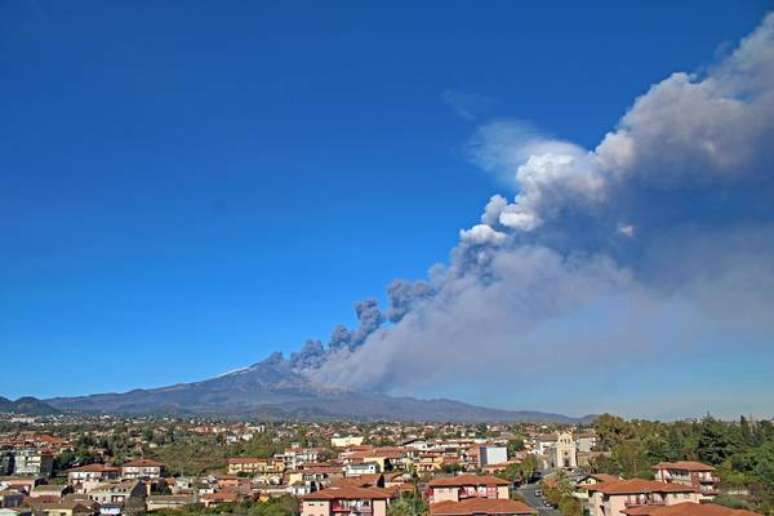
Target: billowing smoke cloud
[(311, 355), (404, 296), (663, 236)]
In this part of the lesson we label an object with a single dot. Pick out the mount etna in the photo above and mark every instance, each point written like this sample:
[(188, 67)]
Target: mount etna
[(272, 389)]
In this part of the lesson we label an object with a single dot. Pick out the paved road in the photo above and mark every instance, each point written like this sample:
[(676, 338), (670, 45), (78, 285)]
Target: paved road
[(528, 492)]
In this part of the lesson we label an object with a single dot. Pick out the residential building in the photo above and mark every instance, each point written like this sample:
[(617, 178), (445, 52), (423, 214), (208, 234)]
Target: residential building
[(127, 496), (159, 502), (689, 509), (481, 506), (585, 442), (85, 478), (349, 500), (50, 491), (542, 442), (33, 462), (612, 498), (349, 440), (16, 511), (23, 484), (581, 486), (10, 498), (6, 462), (468, 486), (142, 469), (700, 476), (361, 468), (294, 458), (492, 455), (64, 508), (253, 465)]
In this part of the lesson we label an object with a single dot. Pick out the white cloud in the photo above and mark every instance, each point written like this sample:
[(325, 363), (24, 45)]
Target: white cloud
[(482, 234)]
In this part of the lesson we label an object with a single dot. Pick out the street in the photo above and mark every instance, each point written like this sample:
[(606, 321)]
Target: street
[(527, 491)]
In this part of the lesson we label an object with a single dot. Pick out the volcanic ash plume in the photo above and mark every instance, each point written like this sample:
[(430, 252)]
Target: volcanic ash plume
[(658, 242)]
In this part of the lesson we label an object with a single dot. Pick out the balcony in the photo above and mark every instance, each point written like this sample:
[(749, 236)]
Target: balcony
[(351, 507), (648, 502)]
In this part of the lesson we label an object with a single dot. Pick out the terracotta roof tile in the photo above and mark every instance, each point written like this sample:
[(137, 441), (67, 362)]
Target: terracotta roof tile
[(468, 480), (688, 509), (684, 465), (480, 506), (637, 485)]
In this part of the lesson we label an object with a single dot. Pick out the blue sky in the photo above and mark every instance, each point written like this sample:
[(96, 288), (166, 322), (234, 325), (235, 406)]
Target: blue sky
[(188, 188)]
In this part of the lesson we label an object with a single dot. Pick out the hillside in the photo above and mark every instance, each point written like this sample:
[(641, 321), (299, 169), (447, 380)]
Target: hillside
[(271, 389)]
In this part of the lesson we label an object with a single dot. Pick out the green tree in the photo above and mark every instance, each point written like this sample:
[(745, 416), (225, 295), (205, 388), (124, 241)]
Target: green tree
[(715, 443), (570, 506), (408, 505)]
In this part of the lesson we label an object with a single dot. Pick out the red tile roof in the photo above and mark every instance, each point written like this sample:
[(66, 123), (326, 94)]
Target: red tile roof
[(480, 506), (350, 493), (688, 509), (94, 468), (142, 463), (468, 480), (684, 465), (246, 460), (637, 486)]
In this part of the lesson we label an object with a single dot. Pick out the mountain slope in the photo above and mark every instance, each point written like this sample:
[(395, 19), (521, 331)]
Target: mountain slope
[(28, 406), (271, 389)]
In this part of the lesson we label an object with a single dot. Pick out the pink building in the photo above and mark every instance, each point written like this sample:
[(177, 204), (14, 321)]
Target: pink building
[(700, 476), (613, 498), (461, 487)]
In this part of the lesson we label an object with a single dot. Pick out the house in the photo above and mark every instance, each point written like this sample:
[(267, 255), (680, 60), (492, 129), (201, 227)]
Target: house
[(543, 442), (10, 498), (50, 491), (33, 462), (468, 486), (481, 506), (585, 442), (581, 486), (159, 502), (387, 458), (361, 468), (142, 469), (492, 455), (688, 509), (297, 457), (85, 478), (127, 496), (64, 508), (349, 500), (253, 465), (429, 462), (700, 476), (225, 496), (345, 442), (15, 511), (612, 498), (7, 459), (23, 484)]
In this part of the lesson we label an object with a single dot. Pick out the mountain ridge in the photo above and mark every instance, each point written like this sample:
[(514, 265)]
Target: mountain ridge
[(27, 405), (272, 389)]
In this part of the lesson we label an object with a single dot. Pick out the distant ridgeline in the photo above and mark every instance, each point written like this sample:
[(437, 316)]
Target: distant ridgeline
[(28, 406)]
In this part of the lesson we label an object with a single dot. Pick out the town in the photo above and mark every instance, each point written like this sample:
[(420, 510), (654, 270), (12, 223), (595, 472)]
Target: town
[(70, 465)]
